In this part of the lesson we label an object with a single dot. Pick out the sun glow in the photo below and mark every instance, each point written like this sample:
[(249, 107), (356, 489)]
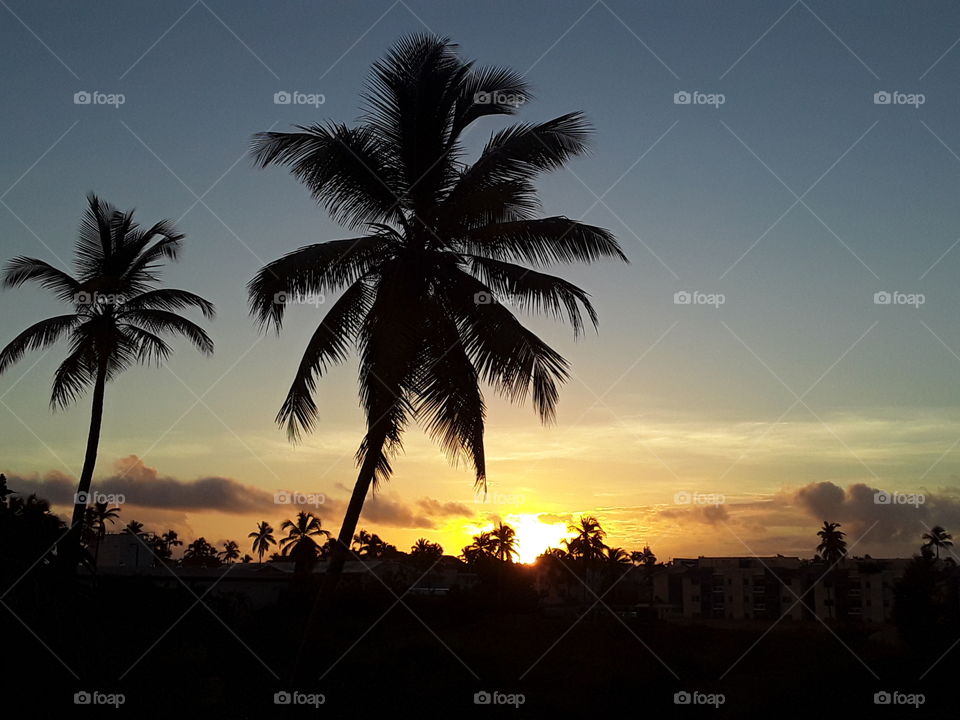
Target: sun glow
[(534, 535)]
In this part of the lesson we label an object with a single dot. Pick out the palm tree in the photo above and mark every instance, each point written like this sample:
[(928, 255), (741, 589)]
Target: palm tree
[(424, 553), (643, 557), (588, 543), (438, 241), (481, 547), (230, 552), (200, 553), (617, 556), (832, 546), (116, 318), (163, 544), (96, 518), (134, 528), (299, 542), (937, 538), (262, 539), (504, 542)]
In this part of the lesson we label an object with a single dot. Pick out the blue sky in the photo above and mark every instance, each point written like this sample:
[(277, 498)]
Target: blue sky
[(699, 196)]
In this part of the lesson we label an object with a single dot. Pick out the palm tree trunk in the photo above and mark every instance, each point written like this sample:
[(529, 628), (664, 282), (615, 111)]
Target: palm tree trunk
[(351, 517), (70, 546)]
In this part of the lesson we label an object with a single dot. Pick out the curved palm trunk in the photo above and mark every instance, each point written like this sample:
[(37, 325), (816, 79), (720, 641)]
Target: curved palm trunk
[(69, 549), (341, 548)]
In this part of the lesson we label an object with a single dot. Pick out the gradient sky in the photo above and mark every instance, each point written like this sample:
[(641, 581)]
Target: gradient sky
[(797, 388)]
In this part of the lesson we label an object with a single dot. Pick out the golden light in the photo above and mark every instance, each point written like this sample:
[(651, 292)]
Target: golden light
[(534, 536)]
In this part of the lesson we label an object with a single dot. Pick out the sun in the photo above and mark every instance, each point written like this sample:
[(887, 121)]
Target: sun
[(535, 535)]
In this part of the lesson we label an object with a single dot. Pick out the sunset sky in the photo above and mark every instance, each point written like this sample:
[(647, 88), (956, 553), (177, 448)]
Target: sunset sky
[(797, 200)]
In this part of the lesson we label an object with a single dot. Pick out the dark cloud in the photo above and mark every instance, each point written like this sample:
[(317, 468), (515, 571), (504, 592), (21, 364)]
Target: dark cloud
[(143, 486)]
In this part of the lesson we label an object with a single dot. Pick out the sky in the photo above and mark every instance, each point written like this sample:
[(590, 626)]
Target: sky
[(781, 200)]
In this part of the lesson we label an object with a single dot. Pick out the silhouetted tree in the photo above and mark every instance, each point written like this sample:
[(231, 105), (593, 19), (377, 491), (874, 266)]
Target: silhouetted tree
[(937, 538), (200, 553), (504, 540), (832, 546), (299, 544), (134, 528), (116, 319), (643, 557), (439, 242), (230, 552), (482, 547), (371, 546), (425, 553), (262, 539), (588, 544)]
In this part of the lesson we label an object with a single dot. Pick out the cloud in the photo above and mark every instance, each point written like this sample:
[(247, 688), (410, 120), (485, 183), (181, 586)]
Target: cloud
[(144, 487)]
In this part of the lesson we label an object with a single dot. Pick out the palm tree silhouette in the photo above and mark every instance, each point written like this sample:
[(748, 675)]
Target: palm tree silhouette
[(588, 543), (230, 552), (163, 544), (617, 556), (299, 543), (832, 546), (643, 557), (96, 519), (937, 538), (438, 243), (262, 539), (134, 528), (117, 318), (483, 546), (504, 542)]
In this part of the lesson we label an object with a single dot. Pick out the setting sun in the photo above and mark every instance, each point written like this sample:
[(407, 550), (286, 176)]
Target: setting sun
[(534, 535)]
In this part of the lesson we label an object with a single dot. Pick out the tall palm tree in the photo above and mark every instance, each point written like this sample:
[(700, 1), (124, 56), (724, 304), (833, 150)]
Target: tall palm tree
[(832, 546), (937, 538), (117, 317), (439, 240), (262, 539), (230, 552), (504, 542)]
